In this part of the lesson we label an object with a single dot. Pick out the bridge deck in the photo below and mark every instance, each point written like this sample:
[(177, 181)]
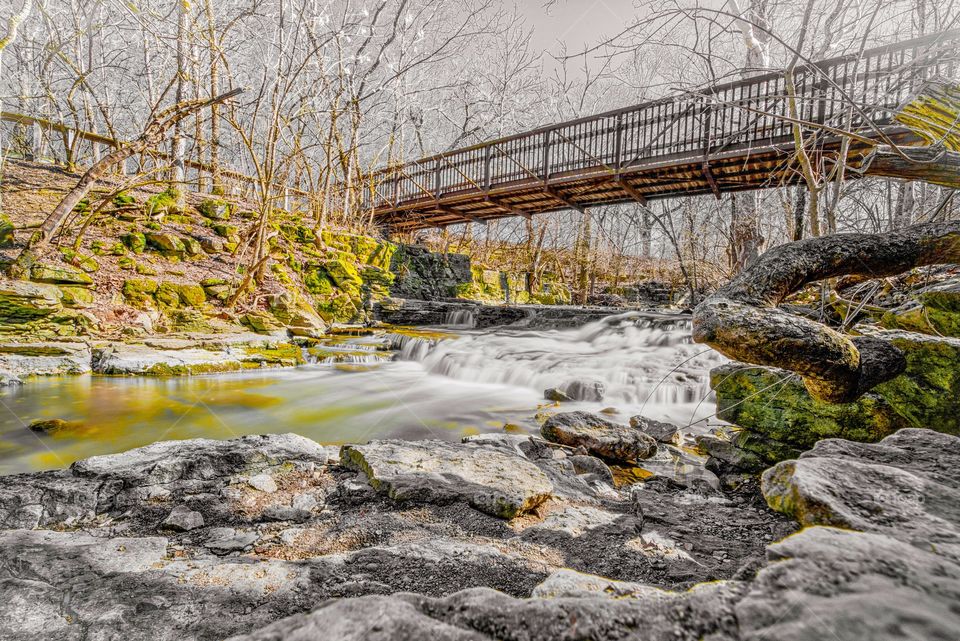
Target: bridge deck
[(729, 137)]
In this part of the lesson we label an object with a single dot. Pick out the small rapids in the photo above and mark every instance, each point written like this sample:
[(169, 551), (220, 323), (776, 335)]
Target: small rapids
[(643, 360)]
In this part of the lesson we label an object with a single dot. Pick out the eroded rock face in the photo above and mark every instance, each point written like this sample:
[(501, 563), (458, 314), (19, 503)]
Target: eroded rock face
[(489, 479), (598, 436)]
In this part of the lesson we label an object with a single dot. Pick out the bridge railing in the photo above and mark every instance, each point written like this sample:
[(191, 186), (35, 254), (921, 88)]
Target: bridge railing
[(853, 93)]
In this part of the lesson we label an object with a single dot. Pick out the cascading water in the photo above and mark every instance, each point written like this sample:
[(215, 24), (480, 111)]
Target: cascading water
[(461, 318), (645, 361)]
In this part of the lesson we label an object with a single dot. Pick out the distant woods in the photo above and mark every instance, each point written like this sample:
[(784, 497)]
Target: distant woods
[(335, 88)]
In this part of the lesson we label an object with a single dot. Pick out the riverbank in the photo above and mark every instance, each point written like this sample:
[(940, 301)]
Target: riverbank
[(504, 538)]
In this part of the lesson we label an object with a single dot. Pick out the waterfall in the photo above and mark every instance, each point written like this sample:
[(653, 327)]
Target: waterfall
[(461, 318), (642, 359)]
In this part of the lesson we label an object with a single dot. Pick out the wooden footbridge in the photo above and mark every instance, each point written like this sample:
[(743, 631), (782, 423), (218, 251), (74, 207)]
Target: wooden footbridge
[(730, 137)]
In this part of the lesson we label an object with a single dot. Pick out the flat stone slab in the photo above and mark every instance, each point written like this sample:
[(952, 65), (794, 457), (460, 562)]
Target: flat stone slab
[(599, 436), (491, 480)]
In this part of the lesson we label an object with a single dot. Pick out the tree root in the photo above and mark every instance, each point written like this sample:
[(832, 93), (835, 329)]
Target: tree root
[(742, 319)]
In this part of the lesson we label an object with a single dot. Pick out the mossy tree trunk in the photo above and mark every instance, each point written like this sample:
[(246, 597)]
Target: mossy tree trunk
[(742, 320)]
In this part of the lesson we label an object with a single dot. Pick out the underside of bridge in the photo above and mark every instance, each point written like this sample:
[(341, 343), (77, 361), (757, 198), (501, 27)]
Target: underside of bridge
[(733, 137), (732, 171)]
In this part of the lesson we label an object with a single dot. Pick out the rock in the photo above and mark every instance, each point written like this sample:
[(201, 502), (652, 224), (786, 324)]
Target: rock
[(223, 540), (726, 458), (80, 297), (933, 310), (425, 275), (570, 583), (589, 391), (59, 275), (183, 519), (263, 483), (599, 436), (9, 380), (902, 486), (261, 322), (828, 583), (592, 465), (22, 302), (491, 480), (553, 394), (212, 355), (659, 431), (135, 242), (45, 359), (164, 242), (53, 426), (215, 209)]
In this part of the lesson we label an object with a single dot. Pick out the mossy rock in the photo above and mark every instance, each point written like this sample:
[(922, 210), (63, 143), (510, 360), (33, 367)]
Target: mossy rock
[(165, 242), (229, 232), (88, 264), (135, 242), (344, 275), (317, 281), (139, 291), (76, 296), (22, 302), (59, 275), (192, 246), (166, 202), (340, 308), (126, 263), (261, 322), (215, 209), (145, 270), (123, 199), (189, 320), (299, 234), (175, 295), (7, 239)]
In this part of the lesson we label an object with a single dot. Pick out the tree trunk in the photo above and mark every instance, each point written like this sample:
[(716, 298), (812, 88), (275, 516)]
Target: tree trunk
[(742, 320), (152, 136), (13, 24)]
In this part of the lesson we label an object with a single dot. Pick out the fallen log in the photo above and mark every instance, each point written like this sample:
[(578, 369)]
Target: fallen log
[(742, 320)]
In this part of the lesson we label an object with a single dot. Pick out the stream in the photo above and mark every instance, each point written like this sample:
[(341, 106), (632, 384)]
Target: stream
[(445, 383)]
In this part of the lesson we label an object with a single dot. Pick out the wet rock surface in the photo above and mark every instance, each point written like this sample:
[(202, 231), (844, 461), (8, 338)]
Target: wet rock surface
[(598, 436)]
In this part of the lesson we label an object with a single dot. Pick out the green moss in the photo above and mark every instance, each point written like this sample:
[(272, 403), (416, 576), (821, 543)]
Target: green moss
[(339, 308), (163, 242), (7, 238), (164, 202), (76, 296), (125, 262), (928, 394), (135, 242), (123, 199), (227, 231), (215, 209), (59, 274), (139, 291)]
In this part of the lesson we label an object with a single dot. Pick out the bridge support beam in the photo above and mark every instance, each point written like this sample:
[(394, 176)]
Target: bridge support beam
[(507, 208)]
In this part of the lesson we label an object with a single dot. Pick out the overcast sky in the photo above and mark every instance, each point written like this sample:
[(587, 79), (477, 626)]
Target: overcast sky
[(577, 23)]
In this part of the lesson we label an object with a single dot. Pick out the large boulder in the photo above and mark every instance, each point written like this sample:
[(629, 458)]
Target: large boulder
[(491, 480), (780, 419), (45, 358), (598, 436), (59, 275), (904, 486)]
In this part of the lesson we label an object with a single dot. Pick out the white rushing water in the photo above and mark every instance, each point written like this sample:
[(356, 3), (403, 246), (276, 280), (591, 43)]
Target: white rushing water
[(644, 361)]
